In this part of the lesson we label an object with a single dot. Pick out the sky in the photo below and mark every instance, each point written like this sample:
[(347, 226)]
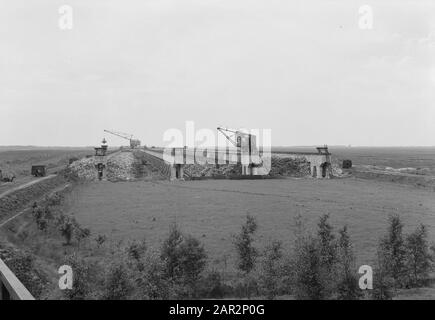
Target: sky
[(303, 69)]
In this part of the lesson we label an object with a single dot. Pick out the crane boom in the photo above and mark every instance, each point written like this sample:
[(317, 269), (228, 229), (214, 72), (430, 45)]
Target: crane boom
[(127, 136), (224, 132), (120, 134)]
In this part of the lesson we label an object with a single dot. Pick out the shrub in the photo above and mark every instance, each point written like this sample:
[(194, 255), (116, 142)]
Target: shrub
[(271, 270), (212, 286), (39, 214), (328, 255), (117, 284), (418, 257), (185, 259), (193, 259), (153, 282), (246, 252), (81, 233), (66, 227), (308, 282), (382, 281), (100, 239), (393, 252), (347, 286), (328, 247), (135, 252), (170, 252), (82, 277)]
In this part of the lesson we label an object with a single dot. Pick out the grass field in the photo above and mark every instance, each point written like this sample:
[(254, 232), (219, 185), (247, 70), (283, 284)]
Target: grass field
[(21, 160), (18, 161), (213, 210)]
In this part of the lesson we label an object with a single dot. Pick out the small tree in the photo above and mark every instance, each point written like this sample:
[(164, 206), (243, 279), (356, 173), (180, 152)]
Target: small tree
[(117, 284), (393, 251), (308, 283), (184, 259), (81, 233), (382, 281), (40, 216), (247, 253), (170, 252), (66, 227), (100, 239), (81, 278), (418, 257), (271, 269), (153, 282), (327, 243), (192, 261), (328, 255), (135, 253), (347, 287)]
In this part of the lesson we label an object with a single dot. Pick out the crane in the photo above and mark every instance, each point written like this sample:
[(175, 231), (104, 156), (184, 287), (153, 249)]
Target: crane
[(246, 144), (134, 143), (226, 132)]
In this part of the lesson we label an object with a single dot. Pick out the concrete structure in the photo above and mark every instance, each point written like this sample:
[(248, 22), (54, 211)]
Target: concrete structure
[(173, 161), (320, 162), (101, 160), (10, 287)]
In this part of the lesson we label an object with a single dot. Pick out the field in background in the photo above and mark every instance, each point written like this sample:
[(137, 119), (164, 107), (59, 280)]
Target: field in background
[(214, 210), (20, 160), (395, 157)]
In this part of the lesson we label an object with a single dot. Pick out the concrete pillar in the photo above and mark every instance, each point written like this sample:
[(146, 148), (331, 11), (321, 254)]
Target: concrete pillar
[(173, 175), (245, 169), (181, 172), (319, 171), (312, 170)]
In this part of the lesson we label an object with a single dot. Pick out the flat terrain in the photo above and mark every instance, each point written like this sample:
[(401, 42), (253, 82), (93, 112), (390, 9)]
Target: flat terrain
[(20, 160), (213, 210), (395, 157)]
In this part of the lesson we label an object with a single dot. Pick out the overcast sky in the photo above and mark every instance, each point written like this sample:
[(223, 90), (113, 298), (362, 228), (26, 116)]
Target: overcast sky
[(303, 69)]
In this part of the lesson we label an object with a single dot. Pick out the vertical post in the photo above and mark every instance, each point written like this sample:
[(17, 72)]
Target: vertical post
[(181, 172), (216, 157)]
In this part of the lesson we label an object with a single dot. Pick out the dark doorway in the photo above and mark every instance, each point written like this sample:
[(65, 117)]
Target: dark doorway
[(324, 167)]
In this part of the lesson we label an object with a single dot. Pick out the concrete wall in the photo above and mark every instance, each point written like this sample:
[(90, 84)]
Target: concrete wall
[(320, 164)]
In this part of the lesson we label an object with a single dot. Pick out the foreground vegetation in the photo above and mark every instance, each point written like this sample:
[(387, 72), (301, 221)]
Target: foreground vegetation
[(319, 266)]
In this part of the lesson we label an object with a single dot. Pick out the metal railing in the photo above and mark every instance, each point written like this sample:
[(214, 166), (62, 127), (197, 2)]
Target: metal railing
[(10, 287)]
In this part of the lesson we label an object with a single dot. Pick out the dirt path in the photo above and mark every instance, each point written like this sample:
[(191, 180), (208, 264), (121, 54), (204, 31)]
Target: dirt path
[(25, 185), (2, 223)]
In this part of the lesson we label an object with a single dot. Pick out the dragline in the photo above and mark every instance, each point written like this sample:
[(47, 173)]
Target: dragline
[(134, 143), (246, 145)]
